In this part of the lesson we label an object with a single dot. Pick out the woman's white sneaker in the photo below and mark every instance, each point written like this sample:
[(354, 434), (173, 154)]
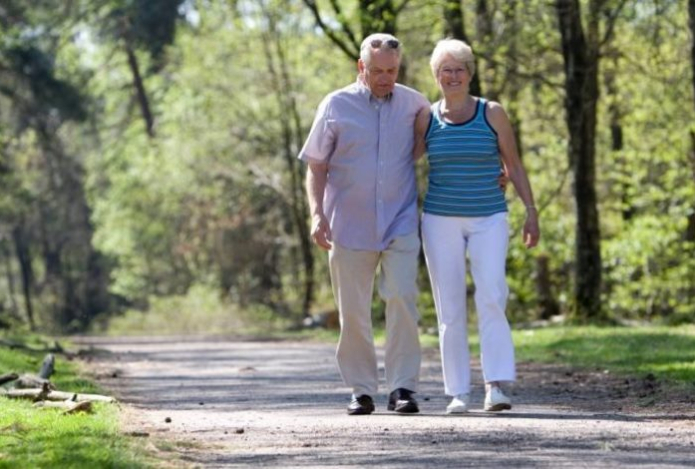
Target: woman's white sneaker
[(458, 405), (496, 400)]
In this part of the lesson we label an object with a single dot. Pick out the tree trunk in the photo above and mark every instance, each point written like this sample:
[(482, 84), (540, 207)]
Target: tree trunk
[(299, 202), (513, 82), (483, 20), (615, 117), (690, 230), (64, 229), (10, 278), (293, 138), (581, 87), (549, 306), (24, 258), (454, 27), (140, 90)]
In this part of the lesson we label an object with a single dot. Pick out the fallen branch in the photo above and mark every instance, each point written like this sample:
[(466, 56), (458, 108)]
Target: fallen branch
[(6, 378), (27, 381), (38, 394), (43, 393), (70, 407)]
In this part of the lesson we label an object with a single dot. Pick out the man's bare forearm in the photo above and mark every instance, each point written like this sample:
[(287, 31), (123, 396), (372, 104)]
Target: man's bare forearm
[(316, 177)]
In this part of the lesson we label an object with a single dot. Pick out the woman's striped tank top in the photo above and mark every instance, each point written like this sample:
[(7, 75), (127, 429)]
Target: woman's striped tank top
[(464, 165)]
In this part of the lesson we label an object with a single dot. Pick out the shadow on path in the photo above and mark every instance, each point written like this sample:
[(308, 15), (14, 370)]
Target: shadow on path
[(238, 403)]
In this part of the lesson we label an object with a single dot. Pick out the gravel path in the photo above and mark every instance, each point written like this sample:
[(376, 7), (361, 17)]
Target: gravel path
[(231, 403)]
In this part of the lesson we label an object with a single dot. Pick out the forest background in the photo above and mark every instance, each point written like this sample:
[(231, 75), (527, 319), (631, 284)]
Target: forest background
[(148, 153)]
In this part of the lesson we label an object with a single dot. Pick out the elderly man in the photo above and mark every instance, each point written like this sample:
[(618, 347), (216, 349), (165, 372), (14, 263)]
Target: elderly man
[(362, 195)]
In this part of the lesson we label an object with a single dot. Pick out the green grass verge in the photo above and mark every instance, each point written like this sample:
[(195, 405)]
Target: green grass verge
[(45, 438), (667, 352)]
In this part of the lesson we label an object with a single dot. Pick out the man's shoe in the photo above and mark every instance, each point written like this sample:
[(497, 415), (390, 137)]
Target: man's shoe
[(459, 404), (361, 405), (401, 400), (496, 400)]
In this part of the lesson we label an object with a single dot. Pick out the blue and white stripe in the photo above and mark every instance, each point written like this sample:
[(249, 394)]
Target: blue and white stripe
[(464, 165)]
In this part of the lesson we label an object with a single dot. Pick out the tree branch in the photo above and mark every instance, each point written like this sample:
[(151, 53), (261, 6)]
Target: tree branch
[(344, 46), (402, 6), (611, 19), (346, 26)]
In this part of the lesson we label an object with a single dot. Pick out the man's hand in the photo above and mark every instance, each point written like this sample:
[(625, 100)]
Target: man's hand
[(321, 231), (503, 180), (422, 120)]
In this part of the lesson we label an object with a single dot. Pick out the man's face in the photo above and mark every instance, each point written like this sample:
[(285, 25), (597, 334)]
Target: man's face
[(381, 73)]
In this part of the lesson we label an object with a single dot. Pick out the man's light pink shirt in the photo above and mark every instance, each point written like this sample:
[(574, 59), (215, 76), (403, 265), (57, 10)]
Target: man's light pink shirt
[(371, 193)]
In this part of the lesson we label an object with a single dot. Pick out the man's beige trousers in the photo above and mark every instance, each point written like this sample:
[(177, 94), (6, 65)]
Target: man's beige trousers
[(352, 277)]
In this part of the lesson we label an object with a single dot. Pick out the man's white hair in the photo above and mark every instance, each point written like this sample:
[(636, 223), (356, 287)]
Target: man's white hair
[(385, 41)]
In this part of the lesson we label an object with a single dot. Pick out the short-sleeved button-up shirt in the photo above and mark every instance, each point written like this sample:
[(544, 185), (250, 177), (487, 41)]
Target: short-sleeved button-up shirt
[(371, 193)]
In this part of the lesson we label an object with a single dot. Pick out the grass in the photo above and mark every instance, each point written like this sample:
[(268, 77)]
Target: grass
[(45, 438), (667, 352), (200, 311)]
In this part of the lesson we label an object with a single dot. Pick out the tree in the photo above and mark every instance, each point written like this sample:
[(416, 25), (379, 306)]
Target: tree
[(142, 24), (455, 27), (373, 16), (690, 231), (292, 141), (581, 53), (52, 221)]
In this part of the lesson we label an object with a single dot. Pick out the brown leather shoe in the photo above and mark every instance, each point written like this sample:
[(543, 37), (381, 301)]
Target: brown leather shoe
[(361, 405), (402, 401)]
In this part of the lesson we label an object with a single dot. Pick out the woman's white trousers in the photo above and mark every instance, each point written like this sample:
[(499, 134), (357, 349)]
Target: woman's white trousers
[(446, 240)]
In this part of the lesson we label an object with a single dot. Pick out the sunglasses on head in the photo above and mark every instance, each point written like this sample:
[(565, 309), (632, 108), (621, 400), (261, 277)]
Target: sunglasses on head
[(391, 43)]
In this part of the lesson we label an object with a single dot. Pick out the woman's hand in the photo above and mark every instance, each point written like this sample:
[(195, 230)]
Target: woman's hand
[(532, 232)]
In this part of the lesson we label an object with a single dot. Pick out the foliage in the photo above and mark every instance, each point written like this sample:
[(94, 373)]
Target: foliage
[(103, 211), (201, 311), (32, 437), (47, 225)]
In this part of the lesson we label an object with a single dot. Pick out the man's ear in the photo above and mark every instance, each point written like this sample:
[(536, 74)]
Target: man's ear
[(360, 66)]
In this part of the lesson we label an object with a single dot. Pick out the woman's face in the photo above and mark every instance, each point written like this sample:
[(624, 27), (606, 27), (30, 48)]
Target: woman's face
[(453, 76)]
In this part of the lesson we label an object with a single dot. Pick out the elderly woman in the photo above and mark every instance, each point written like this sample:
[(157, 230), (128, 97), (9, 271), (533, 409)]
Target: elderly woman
[(467, 140)]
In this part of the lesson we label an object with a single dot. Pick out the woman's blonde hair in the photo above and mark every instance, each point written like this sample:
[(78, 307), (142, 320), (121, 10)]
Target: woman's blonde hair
[(458, 50)]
